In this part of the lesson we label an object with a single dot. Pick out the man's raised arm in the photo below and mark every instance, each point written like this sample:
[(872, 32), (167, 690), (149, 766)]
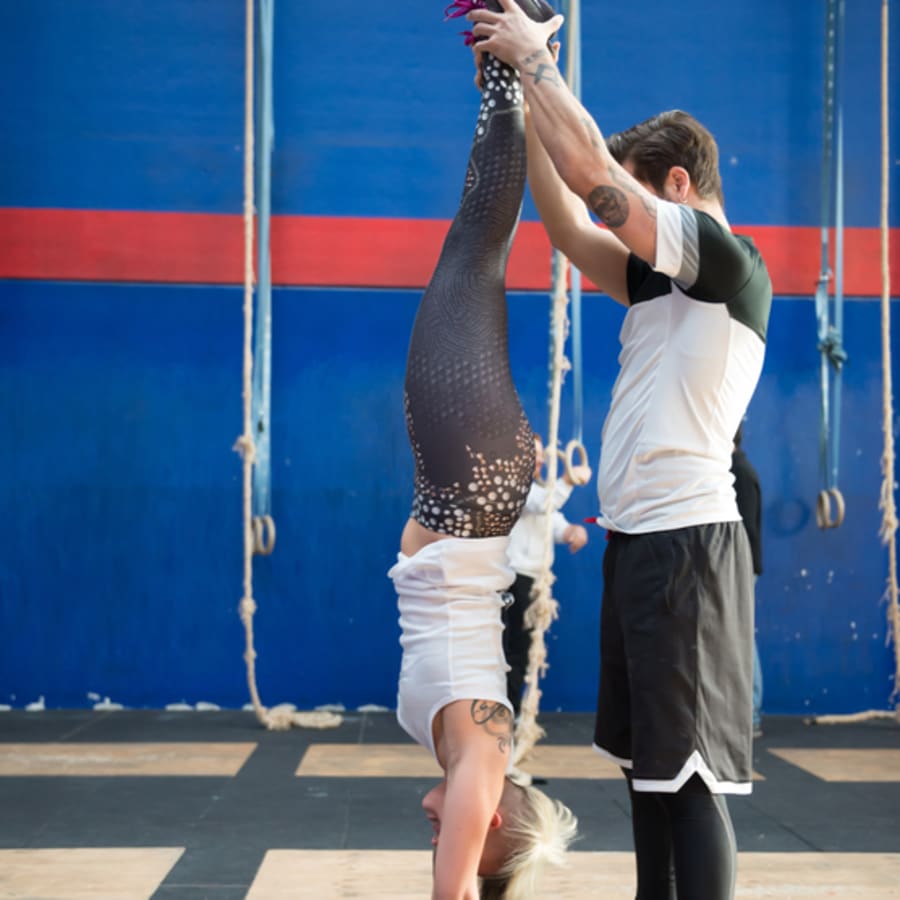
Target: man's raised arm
[(571, 137)]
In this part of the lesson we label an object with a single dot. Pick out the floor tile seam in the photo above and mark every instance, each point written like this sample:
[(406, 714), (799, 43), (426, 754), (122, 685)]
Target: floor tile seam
[(774, 820), (813, 848), (88, 723)]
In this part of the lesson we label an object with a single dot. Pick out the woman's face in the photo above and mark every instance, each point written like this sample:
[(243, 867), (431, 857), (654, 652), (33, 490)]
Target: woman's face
[(495, 846), (433, 804)]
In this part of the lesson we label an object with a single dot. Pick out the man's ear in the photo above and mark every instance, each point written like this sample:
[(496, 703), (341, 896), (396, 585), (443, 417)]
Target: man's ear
[(678, 185)]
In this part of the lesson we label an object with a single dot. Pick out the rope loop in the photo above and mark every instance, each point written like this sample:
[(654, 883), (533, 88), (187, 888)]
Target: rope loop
[(540, 479), (575, 448), (263, 535), (824, 517)]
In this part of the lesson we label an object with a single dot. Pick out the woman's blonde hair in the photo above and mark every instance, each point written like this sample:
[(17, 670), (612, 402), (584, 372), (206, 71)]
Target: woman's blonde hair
[(538, 833)]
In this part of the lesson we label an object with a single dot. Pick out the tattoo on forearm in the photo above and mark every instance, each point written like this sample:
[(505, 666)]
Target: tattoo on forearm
[(496, 721), (534, 56), (545, 72), (627, 182), (610, 205), (593, 133), (649, 205)]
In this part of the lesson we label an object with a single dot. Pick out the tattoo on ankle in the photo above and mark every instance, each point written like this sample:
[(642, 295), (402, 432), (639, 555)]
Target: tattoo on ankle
[(496, 720), (610, 205)]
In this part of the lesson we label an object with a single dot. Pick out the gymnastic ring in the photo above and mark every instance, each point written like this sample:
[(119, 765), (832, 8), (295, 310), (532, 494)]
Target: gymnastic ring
[(263, 535), (562, 458), (824, 518), (572, 448)]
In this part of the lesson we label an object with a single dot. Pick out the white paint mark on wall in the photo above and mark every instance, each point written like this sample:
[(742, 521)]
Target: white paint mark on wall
[(102, 703), (107, 704)]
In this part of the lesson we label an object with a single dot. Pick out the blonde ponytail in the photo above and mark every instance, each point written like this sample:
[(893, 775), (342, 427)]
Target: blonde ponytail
[(539, 833)]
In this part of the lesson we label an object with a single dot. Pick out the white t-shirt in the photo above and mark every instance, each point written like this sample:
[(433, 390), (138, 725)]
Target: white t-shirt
[(526, 540), (448, 595), (693, 343)]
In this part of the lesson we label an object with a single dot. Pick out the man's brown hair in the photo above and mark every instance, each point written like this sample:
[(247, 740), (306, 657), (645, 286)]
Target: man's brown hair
[(672, 138)]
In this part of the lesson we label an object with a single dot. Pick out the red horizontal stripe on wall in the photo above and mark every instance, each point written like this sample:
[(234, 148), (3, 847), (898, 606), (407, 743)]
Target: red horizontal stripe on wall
[(329, 251), (102, 245)]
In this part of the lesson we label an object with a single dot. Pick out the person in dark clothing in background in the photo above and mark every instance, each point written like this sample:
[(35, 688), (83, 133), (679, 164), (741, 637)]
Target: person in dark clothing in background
[(749, 501)]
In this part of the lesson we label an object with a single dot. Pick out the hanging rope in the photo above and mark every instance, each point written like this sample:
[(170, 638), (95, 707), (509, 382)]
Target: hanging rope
[(281, 717), (869, 715), (245, 445), (544, 609), (575, 453), (889, 514), (263, 523), (888, 508), (830, 505)]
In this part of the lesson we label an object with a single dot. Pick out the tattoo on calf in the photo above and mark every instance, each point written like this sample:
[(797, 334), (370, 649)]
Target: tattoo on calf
[(496, 720), (610, 205)]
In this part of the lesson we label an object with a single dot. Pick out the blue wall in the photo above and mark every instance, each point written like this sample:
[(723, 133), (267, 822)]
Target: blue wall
[(120, 555), (125, 105)]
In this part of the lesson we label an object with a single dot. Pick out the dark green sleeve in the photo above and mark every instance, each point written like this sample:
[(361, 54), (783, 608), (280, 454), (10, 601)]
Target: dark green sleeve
[(730, 270)]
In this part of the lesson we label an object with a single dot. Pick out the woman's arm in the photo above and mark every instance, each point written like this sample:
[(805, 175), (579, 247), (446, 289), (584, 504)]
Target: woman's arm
[(474, 741)]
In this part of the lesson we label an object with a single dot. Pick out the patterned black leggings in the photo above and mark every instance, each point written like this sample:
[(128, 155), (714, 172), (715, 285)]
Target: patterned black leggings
[(473, 446)]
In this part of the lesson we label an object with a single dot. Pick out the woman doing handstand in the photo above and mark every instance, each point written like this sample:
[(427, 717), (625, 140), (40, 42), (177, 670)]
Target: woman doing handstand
[(474, 457)]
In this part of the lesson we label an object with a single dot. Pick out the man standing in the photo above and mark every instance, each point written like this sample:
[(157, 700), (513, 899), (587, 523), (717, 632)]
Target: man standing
[(674, 705)]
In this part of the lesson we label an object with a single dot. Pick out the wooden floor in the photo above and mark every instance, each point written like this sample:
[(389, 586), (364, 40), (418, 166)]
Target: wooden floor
[(122, 805)]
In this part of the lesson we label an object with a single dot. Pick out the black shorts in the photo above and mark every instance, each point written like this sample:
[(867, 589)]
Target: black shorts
[(676, 657)]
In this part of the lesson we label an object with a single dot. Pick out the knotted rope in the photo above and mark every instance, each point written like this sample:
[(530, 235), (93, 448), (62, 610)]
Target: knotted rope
[(283, 716)]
